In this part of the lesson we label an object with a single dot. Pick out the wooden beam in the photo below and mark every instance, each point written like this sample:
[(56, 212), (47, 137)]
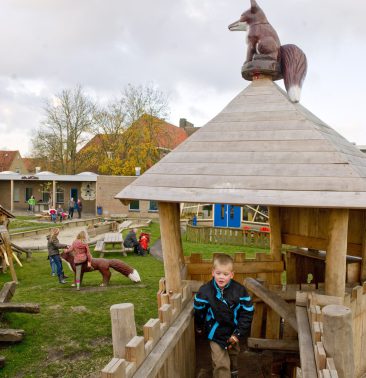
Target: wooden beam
[(308, 366), (288, 345), (274, 301), (11, 335), (275, 235), (11, 196), (7, 291), (338, 340), (171, 246), (246, 267), (123, 327), (363, 249), (335, 267), (155, 360), (31, 308)]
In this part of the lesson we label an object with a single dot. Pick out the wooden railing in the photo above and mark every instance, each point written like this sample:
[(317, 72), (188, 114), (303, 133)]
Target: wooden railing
[(224, 235), (167, 348)]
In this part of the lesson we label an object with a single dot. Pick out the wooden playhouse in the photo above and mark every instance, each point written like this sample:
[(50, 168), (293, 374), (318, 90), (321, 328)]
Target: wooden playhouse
[(262, 149)]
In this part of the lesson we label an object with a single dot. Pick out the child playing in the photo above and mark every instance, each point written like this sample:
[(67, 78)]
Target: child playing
[(53, 246), (81, 255), (224, 311)]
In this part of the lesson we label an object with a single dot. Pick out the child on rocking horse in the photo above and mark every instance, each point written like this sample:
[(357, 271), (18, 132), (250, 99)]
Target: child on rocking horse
[(81, 255)]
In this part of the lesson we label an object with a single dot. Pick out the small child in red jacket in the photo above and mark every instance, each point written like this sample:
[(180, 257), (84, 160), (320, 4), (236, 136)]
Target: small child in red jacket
[(82, 254)]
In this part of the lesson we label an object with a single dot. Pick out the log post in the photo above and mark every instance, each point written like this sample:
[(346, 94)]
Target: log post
[(171, 245), (335, 259), (11, 196), (123, 327), (363, 249), (338, 338), (275, 236)]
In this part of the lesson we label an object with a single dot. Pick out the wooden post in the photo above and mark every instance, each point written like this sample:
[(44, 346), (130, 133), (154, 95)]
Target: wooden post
[(11, 196), (176, 223), (123, 327), (275, 236), (338, 339), (171, 245), (363, 250), (335, 266), (54, 194)]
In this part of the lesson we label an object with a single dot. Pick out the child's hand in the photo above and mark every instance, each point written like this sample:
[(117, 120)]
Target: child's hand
[(231, 341)]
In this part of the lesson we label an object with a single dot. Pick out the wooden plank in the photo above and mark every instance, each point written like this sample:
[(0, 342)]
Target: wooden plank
[(296, 183), (11, 335), (254, 157), (246, 268), (135, 350), (155, 360), (116, 368), (308, 366), (288, 345), (7, 291), (31, 308), (281, 307), (332, 199)]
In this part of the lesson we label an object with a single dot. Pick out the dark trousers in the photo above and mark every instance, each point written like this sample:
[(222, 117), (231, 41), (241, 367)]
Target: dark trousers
[(56, 259), (71, 212)]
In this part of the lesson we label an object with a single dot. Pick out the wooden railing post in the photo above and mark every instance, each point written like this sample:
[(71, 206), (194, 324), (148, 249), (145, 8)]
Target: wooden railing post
[(275, 236), (335, 266), (338, 340), (171, 245), (123, 327)]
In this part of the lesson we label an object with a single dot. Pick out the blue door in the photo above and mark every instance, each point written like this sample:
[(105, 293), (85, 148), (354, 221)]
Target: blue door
[(74, 194), (227, 215)]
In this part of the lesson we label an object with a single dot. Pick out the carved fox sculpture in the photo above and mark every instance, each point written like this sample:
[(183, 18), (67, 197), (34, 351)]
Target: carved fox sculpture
[(263, 40)]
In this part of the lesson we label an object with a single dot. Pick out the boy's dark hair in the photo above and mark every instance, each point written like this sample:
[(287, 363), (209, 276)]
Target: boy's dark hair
[(222, 259)]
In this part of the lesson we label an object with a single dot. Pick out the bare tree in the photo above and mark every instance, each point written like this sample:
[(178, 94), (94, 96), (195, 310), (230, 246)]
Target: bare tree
[(121, 147), (68, 119)]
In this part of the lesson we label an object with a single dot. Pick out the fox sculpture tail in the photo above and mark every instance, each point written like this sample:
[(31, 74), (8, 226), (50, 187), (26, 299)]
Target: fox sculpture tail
[(125, 269), (293, 67)]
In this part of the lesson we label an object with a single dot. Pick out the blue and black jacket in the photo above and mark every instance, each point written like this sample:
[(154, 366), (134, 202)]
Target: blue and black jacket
[(222, 313)]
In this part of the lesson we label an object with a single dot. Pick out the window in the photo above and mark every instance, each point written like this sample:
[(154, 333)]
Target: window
[(16, 195), (60, 195), (46, 197), (28, 193), (222, 212), (134, 206), (153, 206)]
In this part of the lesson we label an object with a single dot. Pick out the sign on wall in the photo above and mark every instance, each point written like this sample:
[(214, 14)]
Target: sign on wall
[(88, 192)]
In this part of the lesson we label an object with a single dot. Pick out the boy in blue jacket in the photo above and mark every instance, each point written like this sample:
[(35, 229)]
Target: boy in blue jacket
[(223, 310)]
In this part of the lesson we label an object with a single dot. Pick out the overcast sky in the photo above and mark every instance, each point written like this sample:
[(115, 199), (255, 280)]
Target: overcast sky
[(183, 46)]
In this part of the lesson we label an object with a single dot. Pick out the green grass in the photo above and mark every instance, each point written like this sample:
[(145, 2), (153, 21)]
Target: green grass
[(23, 224), (60, 342)]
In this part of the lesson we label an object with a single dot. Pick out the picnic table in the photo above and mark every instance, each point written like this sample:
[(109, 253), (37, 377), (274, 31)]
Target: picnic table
[(112, 238)]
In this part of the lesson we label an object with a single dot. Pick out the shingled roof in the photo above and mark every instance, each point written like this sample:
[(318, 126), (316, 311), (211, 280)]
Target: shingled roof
[(262, 149), (6, 159)]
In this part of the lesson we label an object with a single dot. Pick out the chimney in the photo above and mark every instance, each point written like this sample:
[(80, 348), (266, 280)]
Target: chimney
[(138, 171)]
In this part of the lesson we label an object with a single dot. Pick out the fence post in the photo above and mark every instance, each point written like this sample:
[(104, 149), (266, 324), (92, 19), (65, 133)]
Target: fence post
[(123, 327), (337, 338)]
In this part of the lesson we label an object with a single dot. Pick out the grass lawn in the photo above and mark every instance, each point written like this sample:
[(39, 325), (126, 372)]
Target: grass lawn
[(65, 340), (27, 223), (71, 337)]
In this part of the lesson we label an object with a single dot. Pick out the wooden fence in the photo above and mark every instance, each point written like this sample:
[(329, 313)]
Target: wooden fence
[(167, 348), (224, 235)]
